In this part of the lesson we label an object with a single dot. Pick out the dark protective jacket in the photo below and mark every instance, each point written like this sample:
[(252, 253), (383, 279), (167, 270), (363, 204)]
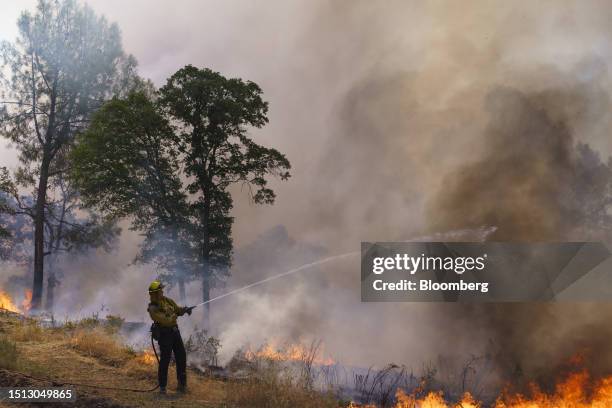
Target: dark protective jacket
[(164, 310)]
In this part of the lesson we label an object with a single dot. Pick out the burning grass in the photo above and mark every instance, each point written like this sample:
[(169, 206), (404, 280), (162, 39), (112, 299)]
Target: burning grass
[(6, 302), (279, 376), (290, 352), (576, 390), (143, 365), (273, 376)]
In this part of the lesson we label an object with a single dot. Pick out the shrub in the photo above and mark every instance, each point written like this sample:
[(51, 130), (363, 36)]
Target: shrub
[(203, 347), (88, 322), (114, 323)]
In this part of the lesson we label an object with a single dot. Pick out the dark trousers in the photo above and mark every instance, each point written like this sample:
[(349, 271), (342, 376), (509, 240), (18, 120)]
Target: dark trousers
[(170, 341)]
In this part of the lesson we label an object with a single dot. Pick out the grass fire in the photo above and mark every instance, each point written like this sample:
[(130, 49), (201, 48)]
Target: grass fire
[(7, 302), (255, 377), (577, 390)]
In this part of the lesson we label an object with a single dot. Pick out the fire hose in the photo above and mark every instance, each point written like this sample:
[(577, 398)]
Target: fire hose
[(189, 309), (100, 387)]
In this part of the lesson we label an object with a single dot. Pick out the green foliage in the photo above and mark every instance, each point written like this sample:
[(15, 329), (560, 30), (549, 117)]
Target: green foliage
[(125, 164), (214, 114), (217, 113), (169, 164)]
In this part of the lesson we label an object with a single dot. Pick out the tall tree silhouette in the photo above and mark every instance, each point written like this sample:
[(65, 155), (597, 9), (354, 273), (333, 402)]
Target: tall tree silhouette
[(64, 64)]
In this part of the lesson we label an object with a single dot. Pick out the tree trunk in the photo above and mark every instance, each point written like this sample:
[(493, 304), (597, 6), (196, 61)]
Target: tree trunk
[(39, 234), (179, 267), (205, 220), (51, 284)]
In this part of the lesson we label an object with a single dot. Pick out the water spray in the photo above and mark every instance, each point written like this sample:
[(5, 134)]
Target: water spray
[(482, 234), (271, 278)]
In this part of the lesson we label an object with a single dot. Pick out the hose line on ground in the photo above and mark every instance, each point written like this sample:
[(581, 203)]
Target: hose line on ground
[(100, 387)]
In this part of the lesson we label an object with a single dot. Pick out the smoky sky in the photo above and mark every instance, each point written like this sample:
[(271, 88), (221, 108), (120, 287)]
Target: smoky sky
[(400, 118), (373, 102)]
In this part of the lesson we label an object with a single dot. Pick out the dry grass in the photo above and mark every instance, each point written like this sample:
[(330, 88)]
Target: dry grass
[(272, 384), (8, 354), (101, 344), (13, 358), (89, 353), (258, 393), (28, 331)]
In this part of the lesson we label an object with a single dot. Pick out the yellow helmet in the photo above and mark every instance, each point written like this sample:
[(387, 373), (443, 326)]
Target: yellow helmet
[(155, 286)]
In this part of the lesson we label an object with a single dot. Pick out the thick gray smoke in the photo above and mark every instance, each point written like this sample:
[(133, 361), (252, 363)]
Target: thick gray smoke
[(532, 180), (399, 118), (536, 182)]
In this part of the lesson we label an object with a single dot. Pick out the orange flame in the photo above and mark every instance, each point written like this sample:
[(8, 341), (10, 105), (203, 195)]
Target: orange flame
[(576, 390), (26, 304), (147, 357), (433, 400), (292, 352), (6, 302), (569, 393)]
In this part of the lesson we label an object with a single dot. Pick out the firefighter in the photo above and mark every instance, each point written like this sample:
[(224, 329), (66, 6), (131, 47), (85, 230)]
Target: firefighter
[(164, 312)]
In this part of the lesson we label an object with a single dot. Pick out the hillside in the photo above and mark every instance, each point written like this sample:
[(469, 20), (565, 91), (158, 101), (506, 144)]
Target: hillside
[(90, 353)]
